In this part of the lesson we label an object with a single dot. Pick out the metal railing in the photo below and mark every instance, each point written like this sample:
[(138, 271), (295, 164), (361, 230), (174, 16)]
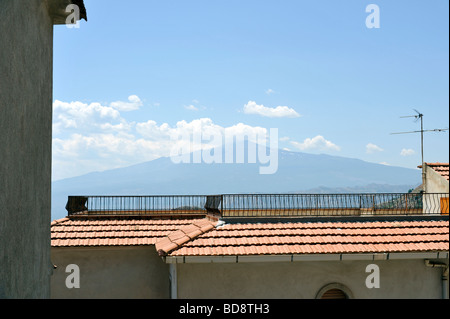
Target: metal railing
[(264, 205), (291, 205), (136, 205)]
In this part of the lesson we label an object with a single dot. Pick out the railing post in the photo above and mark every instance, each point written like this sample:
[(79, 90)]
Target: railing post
[(373, 204), (360, 205), (406, 203)]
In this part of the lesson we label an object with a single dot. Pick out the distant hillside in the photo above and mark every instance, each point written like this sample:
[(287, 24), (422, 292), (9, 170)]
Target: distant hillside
[(370, 188), (297, 172)]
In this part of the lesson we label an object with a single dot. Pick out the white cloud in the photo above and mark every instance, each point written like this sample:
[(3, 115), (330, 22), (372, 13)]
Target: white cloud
[(407, 152), (83, 111), (316, 143), (79, 116), (191, 108), (93, 137), (134, 104), (121, 127), (82, 116), (385, 163), (280, 111), (372, 148), (270, 91)]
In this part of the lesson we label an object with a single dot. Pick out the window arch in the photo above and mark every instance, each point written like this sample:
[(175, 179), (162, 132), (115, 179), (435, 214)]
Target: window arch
[(334, 291)]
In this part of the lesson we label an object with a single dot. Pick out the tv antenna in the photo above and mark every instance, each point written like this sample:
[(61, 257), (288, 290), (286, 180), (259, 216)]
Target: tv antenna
[(419, 116)]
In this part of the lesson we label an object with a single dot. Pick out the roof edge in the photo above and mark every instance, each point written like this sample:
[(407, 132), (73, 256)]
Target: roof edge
[(307, 219), (306, 257), (59, 221)]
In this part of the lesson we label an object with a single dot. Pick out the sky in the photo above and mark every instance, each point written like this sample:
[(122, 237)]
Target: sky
[(138, 73)]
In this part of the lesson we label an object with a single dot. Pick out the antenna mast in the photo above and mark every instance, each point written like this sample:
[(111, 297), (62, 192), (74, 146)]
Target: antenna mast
[(419, 116)]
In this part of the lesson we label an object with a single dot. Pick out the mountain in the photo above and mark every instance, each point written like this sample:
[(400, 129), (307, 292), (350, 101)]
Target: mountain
[(370, 188), (297, 172)]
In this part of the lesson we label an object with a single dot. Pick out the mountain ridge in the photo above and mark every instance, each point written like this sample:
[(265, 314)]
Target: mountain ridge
[(297, 173)]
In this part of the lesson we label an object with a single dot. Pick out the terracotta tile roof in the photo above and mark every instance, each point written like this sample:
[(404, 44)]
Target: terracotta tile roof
[(114, 231), (183, 235), (318, 238), (441, 168), (202, 237)]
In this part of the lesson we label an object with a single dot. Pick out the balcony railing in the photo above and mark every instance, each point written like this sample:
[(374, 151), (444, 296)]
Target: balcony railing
[(263, 205), (137, 205), (291, 205)]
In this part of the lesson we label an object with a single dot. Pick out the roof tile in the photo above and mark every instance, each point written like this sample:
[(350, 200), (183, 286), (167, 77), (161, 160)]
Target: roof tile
[(182, 236), (199, 237), (135, 231), (319, 238)]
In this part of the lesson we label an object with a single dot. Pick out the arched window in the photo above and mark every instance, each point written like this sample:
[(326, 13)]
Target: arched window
[(334, 291), (334, 294)]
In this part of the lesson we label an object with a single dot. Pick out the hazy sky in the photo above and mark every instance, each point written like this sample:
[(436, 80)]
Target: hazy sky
[(141, 70)]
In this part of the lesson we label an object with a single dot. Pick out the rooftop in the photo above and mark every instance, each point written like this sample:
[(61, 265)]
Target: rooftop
[(257, 225), (316, 238), (92, 232)]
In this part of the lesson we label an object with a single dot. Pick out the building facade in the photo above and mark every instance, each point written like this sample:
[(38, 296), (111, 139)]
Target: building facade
[(26, 59), (247, 254)]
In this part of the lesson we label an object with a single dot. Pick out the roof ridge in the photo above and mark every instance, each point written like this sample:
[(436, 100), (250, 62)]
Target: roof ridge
[(184, 235), (59, 221)]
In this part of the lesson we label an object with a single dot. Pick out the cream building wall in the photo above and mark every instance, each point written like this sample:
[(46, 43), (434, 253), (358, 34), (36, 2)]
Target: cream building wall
[(140, 273), (434, 182), (302, 280), (109, 273)]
